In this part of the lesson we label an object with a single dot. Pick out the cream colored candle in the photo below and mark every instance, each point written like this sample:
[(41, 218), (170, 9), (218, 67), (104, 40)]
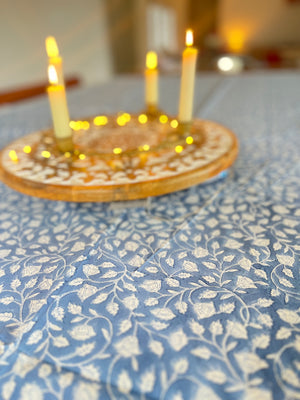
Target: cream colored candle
[(189, 59), (59, 111), (54, 58), (151, 80)]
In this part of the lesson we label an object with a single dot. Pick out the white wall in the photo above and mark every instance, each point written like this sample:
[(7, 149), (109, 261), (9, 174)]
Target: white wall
[(80, 30), (260, 22)]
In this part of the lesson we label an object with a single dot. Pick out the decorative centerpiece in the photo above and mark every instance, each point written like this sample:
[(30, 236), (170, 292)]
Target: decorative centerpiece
[(120, 156)]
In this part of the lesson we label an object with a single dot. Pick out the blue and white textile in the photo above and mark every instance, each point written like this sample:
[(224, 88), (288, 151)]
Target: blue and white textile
[(191, 295)]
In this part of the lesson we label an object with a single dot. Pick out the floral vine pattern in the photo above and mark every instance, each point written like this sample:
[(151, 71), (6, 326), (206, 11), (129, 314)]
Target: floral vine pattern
[(186, 296)]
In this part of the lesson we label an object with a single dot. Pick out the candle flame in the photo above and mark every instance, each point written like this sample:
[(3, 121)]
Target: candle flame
[(52, 75), (51, 47), (151, 60), (189, 38)]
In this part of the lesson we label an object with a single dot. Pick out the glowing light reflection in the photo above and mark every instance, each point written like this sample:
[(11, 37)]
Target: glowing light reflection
[(52, 75), (151, 60)]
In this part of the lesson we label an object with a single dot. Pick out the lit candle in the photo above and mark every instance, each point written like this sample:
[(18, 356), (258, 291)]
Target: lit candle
[(151, 80), (54, 58), (60, 112), (189, 59)]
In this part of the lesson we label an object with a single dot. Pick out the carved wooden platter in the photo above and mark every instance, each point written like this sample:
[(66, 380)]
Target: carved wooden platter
[(120, 159)]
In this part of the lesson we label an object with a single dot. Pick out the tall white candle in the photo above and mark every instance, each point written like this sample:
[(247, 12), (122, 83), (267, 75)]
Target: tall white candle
[(59, 111), (151, 80), (189, 59), (54, 58)]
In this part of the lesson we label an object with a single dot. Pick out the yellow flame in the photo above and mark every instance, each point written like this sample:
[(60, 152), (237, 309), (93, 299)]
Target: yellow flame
[(189, 38), (189, 140), (100, 120), (27, 149), (151, 60), (142, 118), (52, 75), (13, 155), (51, 47)]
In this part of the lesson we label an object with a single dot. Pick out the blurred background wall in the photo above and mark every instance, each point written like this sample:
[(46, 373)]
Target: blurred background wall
[(101, 38), (80, 28), (255, 23)]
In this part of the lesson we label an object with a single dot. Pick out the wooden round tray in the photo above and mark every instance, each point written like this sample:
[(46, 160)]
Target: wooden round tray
[(118, 157)]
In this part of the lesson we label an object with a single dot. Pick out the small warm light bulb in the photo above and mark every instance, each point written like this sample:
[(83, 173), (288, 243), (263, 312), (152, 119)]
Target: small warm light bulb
[(146, 147), (127, 117), (163, 119), (27, 149), (13, 155), (51, 47), (174, 123), (77, 126), (82, 156), (151, 60), (85, 125), (142, 118), (189, 38), (178, 149), (189, 140), (117, 150), (121, 120), (100, 120), (52, 75), (46, 154)]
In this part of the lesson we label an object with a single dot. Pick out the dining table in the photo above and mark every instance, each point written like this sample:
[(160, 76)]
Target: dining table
[(193, 294)]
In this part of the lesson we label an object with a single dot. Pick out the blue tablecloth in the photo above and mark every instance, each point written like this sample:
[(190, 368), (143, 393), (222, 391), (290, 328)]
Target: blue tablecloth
[(192, 295)]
